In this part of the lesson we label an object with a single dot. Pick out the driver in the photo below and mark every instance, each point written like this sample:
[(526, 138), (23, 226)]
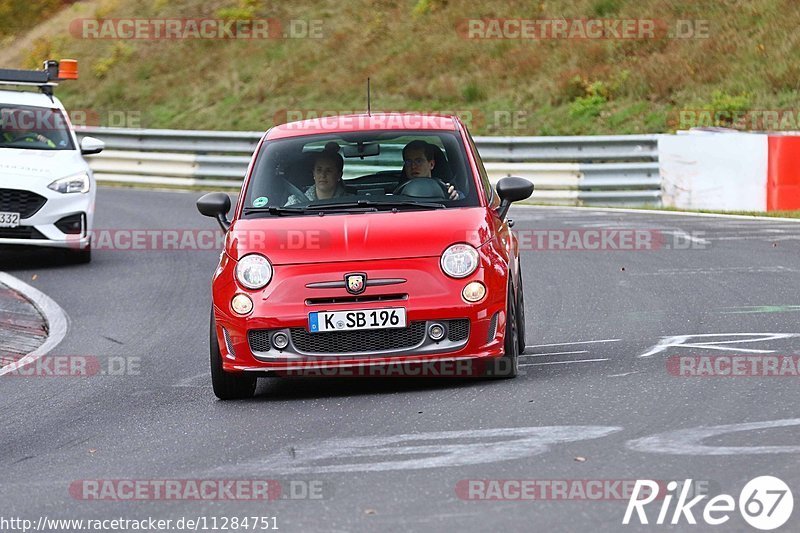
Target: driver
[(13, 130), (418, 161)]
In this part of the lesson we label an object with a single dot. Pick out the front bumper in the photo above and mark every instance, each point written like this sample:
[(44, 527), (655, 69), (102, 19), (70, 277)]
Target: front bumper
[(471, 330), (40, 228)]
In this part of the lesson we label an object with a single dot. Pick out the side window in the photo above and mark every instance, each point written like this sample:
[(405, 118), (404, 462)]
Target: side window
[(487, 185)]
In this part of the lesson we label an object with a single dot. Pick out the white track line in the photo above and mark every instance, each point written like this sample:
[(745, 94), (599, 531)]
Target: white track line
[(551, 353), (57, 320), (569, 343), (193, 381), (564, 362)]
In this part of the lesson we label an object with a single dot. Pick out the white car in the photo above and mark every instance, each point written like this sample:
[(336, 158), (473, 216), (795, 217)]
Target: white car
[(47, 191)]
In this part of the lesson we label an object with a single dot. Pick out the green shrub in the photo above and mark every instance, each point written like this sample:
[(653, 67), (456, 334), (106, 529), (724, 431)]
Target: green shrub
[(726, 109), (246, 10), (423, 7), (587, 107), (120, 51), (472, 92), (602, 8)]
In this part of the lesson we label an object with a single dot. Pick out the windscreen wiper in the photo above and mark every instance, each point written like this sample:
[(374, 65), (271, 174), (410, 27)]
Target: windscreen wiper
[(309, 210), (410, 203), (278, 211), (394, 204)]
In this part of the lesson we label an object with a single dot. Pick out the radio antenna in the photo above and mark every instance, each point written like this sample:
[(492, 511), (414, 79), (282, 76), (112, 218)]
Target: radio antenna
[(369, 105)]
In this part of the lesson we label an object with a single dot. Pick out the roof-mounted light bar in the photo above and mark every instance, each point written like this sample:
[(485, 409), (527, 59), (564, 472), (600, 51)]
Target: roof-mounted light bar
[(47, 78)]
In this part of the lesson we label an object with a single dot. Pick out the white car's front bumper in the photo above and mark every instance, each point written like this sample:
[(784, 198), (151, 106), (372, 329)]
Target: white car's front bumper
[(40, 229)]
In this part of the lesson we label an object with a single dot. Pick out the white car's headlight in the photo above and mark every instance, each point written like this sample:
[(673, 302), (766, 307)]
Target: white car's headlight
[(71, 184), (253, 271), (459, 260)]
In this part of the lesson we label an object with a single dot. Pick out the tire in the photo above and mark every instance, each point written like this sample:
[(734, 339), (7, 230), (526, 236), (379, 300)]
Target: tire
[(521, 313), (507, 365), (80, 257), (227, 385)]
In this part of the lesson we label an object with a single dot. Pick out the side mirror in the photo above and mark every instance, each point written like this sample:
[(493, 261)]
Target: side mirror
[(90, 145), (511, 190), (216, 205)]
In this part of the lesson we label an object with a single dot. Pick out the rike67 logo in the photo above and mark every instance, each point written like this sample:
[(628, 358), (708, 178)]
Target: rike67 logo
[(765, 503)]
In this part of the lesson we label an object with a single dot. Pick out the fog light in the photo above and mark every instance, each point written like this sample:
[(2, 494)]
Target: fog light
[(436, 332), (242, 304), (72, 224), (280, 340), (474, 291)]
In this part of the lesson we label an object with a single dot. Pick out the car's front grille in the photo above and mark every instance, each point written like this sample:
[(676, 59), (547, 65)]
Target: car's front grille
[(363, 341), (25, 203), (458, 330), (21, 232), (356, 299), (369, 340)]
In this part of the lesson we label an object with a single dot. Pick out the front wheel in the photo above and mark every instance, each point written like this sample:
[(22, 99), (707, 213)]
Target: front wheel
[(507, 365), (81, 256), (521, 314), (227, 385)]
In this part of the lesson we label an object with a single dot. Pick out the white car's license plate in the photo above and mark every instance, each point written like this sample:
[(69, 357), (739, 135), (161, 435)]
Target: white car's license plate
[(9, 220), (394, 317)]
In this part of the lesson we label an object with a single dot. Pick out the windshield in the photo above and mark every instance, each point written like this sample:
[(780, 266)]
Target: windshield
[(34, 128), (363, 171)]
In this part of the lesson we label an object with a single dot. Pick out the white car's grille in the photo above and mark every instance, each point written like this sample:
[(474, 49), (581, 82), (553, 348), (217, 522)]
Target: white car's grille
[(25, 203)]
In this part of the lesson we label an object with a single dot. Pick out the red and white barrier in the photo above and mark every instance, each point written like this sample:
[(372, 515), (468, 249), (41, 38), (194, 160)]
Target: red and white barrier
[(783, 173), (731, 171)]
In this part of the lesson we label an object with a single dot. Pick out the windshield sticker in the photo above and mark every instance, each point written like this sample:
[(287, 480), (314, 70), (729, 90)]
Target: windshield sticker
[(261, 201)]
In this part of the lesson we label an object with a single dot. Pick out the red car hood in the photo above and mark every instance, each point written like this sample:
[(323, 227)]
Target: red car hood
[(358, 237)]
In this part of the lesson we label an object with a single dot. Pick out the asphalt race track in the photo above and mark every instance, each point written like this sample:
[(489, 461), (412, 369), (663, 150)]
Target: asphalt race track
[(599, 399)]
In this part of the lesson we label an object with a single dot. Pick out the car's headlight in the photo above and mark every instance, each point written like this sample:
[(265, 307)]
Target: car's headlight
[(253, 271), (459, 260), (71, 184)]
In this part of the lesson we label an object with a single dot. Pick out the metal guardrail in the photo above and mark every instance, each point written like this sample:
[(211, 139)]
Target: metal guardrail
[(586, 170)]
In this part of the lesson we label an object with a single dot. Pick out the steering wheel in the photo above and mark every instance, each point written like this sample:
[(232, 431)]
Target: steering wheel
[(28, 135), (423, 188)]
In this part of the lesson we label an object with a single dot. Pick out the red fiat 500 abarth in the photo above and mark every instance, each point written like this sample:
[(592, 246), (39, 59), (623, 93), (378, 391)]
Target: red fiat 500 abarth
[(365, 241)]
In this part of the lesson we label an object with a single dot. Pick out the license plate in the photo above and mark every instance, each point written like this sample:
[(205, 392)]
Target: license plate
[(9, 220), (321, 321)]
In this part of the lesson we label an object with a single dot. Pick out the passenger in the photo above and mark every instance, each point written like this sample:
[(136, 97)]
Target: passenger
[(328, 169), (419, 158)]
